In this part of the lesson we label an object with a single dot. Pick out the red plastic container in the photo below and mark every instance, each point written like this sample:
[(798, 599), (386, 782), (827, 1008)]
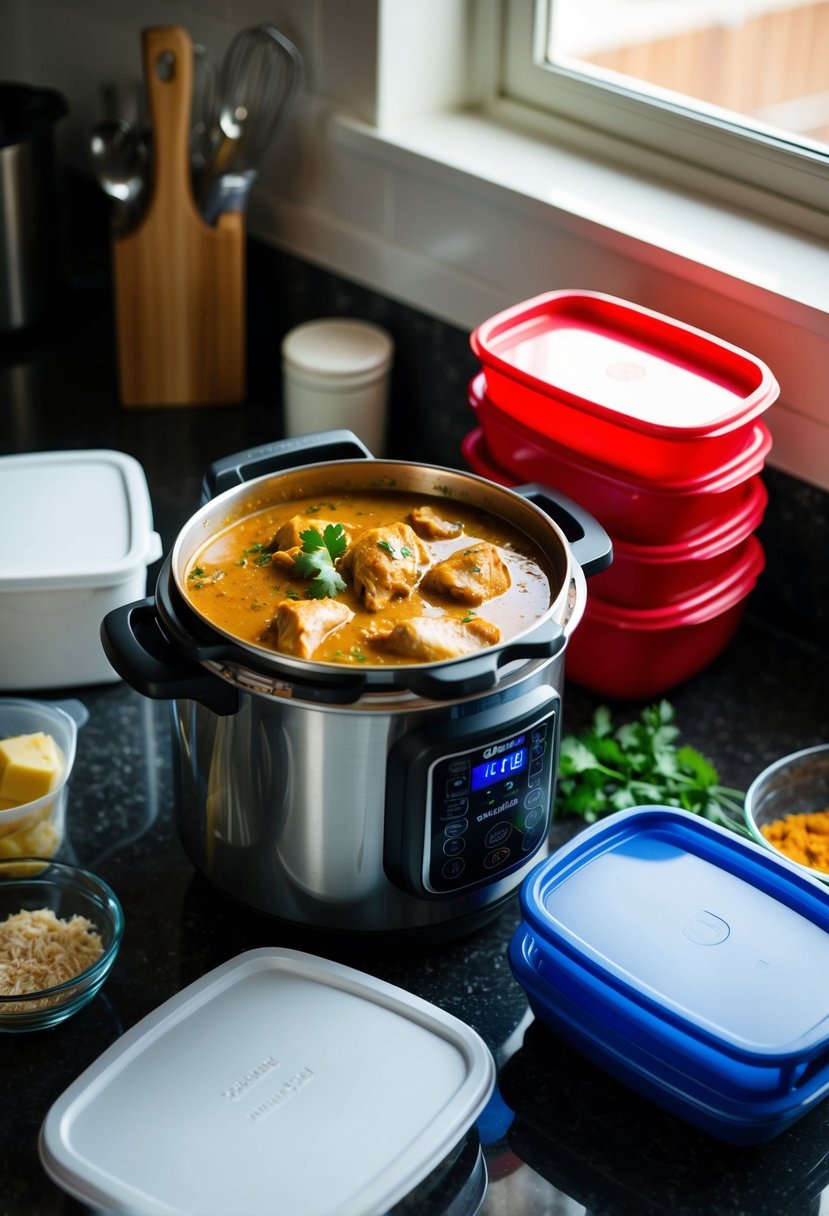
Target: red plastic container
[(632, 654), (642, 512), (653, 576), (655, 398)]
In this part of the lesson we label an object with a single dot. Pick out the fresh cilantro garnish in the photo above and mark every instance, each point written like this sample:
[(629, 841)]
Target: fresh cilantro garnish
[(200, 578), (404, 550), (316, 560), (470, 616), (606, 769)]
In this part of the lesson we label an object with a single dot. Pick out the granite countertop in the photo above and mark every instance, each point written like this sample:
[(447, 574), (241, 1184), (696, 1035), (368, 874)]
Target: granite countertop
[(562, 1136)]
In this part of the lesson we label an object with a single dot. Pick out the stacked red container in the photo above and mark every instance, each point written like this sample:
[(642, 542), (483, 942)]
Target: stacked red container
[(654, 426)]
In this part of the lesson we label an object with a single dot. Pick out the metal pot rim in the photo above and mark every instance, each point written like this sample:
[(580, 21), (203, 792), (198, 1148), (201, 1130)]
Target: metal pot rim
[(567, 580)]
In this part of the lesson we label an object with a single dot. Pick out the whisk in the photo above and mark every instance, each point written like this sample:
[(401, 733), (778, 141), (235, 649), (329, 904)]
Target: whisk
[(258, 81)]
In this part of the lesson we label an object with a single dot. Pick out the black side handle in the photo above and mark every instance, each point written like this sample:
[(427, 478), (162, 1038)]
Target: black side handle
[(590, 544), (466, 677), (196, 644), (317, 447), (142, 655)]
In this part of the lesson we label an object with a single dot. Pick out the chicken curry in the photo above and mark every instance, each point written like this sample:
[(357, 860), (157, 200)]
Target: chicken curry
[(370, 577)]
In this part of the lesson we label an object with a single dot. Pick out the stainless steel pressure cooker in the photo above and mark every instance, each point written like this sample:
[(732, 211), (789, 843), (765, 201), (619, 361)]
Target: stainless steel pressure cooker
[(410, 799)]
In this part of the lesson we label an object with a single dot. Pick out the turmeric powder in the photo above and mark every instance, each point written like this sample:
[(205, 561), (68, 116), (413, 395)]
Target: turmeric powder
[(803, 838)]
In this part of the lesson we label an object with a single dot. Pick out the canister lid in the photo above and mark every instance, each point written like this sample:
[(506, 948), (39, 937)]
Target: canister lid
[(73, 518), (700, 931), (278, 1082), (332, 352)]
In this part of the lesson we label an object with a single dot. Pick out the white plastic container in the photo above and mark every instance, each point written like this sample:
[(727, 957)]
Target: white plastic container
[(76, 541), (277, 1083), (36, 829), (335, 373)]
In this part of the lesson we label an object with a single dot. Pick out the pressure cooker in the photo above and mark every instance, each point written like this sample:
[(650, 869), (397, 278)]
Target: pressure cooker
[(410, 799)]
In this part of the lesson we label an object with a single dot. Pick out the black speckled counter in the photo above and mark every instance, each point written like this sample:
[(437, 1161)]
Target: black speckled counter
[(562, 1136)]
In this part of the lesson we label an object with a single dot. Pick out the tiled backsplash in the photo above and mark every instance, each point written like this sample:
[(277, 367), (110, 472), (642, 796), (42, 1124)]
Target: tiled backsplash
[(430, 417)]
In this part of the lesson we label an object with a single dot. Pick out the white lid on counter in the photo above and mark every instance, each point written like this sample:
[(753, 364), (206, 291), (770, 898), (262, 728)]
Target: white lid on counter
[(73, 518), (334, 353), (279, 1082)]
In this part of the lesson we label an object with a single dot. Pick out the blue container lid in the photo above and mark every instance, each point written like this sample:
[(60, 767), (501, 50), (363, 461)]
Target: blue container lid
[(702, 959)]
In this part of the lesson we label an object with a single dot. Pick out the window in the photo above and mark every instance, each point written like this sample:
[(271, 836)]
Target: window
[(729, 94)]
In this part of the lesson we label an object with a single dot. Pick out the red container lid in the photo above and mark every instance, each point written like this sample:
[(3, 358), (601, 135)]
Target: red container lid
[(625, 364), (700, 606)]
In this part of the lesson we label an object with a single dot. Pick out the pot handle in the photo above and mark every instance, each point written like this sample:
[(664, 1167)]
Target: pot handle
[(141, 654), (243, 466), (590, 544), (475, 675)]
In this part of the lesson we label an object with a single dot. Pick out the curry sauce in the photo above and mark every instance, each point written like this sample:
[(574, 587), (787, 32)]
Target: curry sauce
[(410, 579)]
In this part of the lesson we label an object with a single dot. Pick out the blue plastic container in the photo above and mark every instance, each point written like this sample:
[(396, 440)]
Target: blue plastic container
[(689, 963)]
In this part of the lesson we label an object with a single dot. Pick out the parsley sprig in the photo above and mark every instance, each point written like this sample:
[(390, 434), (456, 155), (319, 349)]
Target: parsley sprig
[(608, 768), (317, 557)]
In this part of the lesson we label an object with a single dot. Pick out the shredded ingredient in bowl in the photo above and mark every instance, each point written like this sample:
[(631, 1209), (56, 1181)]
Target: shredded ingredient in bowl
[(803, 838), (39, 950)]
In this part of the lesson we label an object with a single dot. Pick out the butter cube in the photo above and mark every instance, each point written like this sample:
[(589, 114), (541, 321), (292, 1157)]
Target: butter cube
[(30, 766)]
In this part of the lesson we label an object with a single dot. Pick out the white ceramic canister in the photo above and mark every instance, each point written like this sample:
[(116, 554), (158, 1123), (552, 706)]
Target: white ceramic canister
[(335, 373)]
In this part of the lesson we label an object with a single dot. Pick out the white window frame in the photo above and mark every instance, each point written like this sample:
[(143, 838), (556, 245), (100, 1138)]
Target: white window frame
[(711, 154)]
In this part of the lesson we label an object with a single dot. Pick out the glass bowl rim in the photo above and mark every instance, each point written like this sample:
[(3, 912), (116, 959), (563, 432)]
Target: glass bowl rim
[(111, 906), (752, 795)]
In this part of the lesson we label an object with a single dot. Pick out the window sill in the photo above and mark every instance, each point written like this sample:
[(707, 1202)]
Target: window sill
[(567, 188), (460, 214)]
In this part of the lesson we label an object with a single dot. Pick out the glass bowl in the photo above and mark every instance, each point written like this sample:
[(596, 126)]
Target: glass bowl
[(796, 784), (33, 883)]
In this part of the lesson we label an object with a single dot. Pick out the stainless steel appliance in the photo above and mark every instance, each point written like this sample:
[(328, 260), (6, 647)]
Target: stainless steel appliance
[(29, 231), (373, 801)]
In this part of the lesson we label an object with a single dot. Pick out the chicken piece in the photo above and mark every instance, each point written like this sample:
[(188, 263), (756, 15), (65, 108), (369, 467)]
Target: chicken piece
[(301, 625), (428, 639), (428, 524), (289, 534), (470, 575), (384, 564), (286, 558)]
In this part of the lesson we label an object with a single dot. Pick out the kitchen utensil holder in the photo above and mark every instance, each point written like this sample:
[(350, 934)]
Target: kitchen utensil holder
[(179, 282)]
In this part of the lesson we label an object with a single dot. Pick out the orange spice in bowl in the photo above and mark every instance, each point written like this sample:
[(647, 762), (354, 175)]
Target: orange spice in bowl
[(802, 837), (787, 809)]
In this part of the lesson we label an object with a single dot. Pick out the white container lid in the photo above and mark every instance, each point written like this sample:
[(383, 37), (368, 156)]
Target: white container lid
[(73, 518), (333, 353), (279, 1082)]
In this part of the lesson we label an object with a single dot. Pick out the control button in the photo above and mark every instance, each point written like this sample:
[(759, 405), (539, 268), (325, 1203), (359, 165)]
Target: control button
[(497, 857), (458, 806), (456, 827), (539, 732), (538, 749), (459, 766), (453, 846), (532, 840), (498, 834), (457, 785), (536, 766), (453, 868), (533, 798), (534, 780), (532, 818)]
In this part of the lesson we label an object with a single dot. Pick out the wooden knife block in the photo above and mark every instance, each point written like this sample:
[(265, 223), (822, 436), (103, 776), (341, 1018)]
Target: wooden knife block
[(179, 282)]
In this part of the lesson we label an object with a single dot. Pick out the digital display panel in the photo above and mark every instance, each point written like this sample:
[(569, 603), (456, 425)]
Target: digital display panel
[(499, 768)]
